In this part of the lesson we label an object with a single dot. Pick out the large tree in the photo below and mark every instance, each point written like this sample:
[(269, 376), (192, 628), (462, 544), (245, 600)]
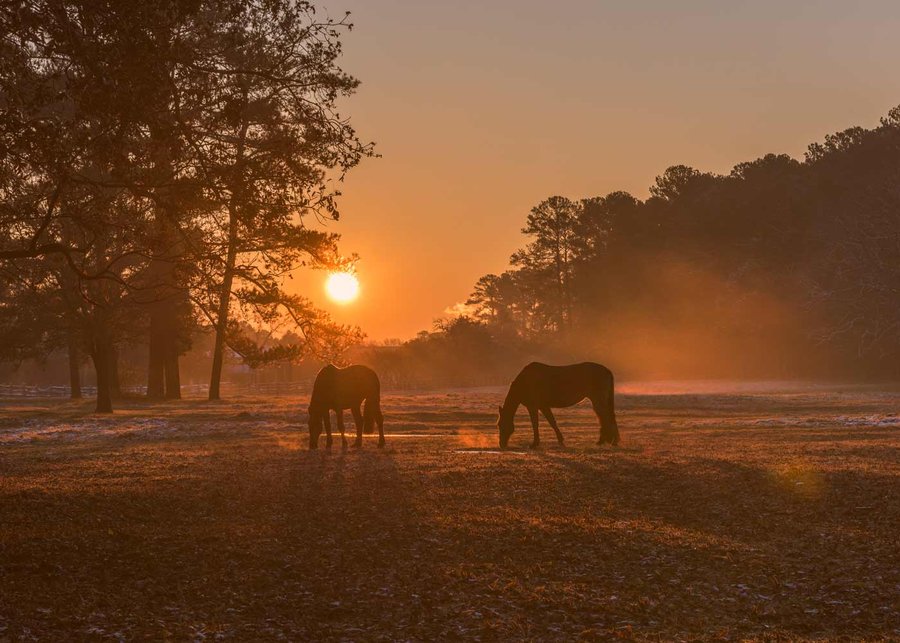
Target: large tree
[(547, 263), (165, 153), (63, 208), (255, 90)]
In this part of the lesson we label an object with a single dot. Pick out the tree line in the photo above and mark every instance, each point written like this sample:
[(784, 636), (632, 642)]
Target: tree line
[(781, 268), (164, 166)]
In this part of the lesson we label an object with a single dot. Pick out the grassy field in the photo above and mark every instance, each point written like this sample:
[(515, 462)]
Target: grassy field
[(769, 513)]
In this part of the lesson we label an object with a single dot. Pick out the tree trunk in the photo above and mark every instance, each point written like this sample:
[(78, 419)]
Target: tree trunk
[(215, 380), (163, 378), (156, 370), (100, 357), (74, 365), (112, 358), (173, 377), (224, 304)]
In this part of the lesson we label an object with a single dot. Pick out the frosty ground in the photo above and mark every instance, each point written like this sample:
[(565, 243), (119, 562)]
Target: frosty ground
[(769, 512)]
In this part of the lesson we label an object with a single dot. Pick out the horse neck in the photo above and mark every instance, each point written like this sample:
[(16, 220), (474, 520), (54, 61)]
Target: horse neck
[(512, 401)]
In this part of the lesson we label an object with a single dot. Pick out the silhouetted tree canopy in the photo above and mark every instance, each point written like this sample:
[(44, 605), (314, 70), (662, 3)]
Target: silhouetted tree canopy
[(782, 268), (162, 164)]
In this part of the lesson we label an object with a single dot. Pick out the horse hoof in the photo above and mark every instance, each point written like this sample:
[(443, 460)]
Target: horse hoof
[(357, 444), (534, 445), (381, 444)]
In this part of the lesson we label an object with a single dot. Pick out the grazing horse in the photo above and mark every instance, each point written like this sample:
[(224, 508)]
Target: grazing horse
[(336, 389), (540, 387)]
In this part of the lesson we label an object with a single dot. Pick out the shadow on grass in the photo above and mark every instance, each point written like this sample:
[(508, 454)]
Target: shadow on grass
[(260, 542), (239, 534), (707, 543)]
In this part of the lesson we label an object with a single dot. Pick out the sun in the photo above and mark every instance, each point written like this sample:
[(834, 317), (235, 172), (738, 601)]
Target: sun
[(342, 287)]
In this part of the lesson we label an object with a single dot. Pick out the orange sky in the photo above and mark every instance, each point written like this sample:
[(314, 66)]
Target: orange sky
[(482, 109)]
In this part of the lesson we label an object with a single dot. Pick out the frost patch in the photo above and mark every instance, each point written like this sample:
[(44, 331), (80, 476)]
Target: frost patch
[(887, 421), (35, 430)]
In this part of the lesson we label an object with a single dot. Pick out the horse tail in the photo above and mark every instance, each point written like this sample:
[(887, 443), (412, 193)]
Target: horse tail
[(372, 415), (372, 411), (611, 409), (368, 417), (612, 395)]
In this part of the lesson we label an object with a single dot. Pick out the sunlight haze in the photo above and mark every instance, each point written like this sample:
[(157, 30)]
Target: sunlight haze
[(481, 110)]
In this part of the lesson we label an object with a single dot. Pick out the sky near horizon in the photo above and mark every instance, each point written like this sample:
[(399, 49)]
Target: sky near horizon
[(482, 109)]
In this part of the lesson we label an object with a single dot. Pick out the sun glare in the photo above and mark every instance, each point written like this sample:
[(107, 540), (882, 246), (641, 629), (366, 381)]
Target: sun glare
[(342, 287)]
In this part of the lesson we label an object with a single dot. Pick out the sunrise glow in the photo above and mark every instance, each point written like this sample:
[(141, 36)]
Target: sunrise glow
[(342, 287)]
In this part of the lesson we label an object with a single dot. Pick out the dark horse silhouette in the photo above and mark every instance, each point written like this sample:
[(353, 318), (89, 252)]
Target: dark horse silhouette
[(540, 387), (336, 389)]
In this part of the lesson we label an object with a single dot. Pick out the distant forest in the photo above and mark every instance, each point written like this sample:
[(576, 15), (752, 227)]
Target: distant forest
[(779, 269)]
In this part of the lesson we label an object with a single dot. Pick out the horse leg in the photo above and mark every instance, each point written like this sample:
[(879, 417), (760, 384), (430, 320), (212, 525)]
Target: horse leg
[(372, 416), (379, 420), (339, 414), (326, 420), (369, 415), (358, 421), (533, 414), (609, 430), (315, 430), (360, 426), (552, 420), (359, 431)]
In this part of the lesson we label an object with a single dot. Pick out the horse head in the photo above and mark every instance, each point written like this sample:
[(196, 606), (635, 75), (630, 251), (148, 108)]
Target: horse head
[(315, 427), (505, 426)]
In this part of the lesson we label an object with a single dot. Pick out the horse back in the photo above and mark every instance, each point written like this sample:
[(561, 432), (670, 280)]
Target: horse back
[(343, 388), (542, 385)]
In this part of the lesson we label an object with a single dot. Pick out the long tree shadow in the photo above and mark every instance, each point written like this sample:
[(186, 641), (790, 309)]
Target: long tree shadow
[(257, 542), (686, 545), (736, 500), (257, 539)]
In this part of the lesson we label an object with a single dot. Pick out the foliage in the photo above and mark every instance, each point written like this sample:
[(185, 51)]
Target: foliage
[(781, 268), (167, 153)]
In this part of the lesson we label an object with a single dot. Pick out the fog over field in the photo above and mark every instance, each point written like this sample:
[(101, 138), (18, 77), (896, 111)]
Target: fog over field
[(467, 413)]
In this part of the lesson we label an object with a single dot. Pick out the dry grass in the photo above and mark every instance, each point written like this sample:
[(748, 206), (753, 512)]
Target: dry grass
[(753, 516)]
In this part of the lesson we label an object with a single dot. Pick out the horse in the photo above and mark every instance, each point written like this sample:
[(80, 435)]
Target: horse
[(336, 389), (540, 387)]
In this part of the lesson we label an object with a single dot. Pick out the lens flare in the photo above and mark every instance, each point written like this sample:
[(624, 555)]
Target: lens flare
[(342, 287)]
